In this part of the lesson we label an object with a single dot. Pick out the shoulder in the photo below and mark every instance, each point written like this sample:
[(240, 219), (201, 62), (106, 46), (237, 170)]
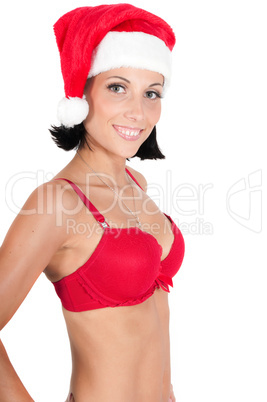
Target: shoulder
[(51, 197), (139, 177), (49, 208)]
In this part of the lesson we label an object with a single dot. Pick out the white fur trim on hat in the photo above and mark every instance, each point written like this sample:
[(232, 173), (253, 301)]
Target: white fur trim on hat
[(131, 49), (72, 111)]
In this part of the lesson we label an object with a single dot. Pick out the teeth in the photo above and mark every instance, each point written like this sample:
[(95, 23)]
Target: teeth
[(131, 133)]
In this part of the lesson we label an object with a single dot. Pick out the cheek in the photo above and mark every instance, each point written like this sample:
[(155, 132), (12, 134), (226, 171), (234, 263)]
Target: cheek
[(105, 109), (99, 112), (154, 113)]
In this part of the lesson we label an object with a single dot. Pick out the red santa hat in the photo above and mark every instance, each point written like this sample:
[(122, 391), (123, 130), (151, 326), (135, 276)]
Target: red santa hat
[(92, 40)]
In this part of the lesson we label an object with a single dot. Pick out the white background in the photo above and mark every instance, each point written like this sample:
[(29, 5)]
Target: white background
[(212, 132)]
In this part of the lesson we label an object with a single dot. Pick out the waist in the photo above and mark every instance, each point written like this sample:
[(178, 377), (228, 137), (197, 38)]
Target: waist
[(120, 350)]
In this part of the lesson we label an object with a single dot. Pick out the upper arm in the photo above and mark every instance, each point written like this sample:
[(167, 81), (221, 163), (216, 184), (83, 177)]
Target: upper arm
[(139, 178), (31, 241)]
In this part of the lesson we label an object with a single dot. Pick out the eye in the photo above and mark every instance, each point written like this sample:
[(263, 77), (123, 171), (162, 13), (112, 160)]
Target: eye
[(152, 95), (117, 88)]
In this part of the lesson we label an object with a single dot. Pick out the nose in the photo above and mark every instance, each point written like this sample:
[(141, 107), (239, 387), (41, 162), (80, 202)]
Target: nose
[(134, 109)]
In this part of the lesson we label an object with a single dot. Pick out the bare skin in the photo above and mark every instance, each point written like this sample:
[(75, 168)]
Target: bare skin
[(118, 353), (126, 348)]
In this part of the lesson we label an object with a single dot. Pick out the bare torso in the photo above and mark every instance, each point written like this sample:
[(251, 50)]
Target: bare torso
[(118, 354)]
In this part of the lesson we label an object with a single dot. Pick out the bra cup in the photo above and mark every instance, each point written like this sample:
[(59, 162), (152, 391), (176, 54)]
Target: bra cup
[(172, 263), (126, 267), (124, 270)]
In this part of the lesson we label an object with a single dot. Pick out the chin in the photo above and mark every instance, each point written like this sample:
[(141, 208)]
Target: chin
[(130, 153), (127, 155)]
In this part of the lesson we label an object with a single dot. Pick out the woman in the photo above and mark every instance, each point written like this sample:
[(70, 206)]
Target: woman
[(103, 243)]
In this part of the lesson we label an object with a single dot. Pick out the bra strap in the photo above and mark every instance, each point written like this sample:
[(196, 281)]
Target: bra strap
[(97, 215), (130, 174)]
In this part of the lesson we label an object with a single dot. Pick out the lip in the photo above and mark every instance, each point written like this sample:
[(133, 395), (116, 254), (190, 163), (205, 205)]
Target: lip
[(124, 135)]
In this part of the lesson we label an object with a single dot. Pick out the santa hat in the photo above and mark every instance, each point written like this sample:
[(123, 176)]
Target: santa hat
[(92, 40)]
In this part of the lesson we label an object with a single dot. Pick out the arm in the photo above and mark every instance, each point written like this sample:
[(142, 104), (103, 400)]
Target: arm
[(29, 245), (11, 388)]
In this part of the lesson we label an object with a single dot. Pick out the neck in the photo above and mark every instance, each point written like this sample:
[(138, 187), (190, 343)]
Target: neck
[(112, 167)]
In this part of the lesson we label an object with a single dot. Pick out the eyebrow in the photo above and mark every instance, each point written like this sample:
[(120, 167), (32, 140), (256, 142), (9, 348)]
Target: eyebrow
[(156, 83), (125, 79), (121, 78)]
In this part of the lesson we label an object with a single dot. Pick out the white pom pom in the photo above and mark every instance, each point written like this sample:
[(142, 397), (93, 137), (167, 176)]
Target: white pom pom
[(72, 111)]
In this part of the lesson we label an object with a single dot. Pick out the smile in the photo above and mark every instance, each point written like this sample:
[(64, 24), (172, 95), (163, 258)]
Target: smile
[(128, 133)]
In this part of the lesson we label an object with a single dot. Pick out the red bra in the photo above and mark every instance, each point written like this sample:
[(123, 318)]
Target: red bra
[(124, 269)]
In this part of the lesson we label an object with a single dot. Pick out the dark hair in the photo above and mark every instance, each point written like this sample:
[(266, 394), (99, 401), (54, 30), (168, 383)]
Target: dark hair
[(73, 138), (68, 138)]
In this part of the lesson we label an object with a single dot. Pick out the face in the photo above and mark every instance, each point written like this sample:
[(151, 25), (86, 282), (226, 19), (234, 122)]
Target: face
[(124, 106)]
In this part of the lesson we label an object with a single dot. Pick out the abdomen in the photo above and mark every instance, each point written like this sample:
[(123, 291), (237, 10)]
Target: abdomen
[(118, 354)]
